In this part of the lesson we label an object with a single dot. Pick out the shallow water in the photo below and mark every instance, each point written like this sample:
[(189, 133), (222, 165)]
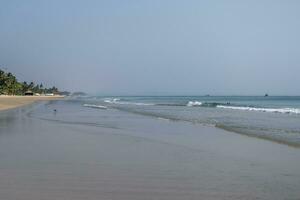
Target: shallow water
[(273, 118), (85, 153)]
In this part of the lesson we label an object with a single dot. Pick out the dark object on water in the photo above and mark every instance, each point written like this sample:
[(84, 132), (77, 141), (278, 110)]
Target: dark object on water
[(266, 95), (55, 110), (228, 103)]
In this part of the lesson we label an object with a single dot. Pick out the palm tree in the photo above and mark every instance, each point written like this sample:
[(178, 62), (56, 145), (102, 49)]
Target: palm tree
[(10, 82), (10, 85)]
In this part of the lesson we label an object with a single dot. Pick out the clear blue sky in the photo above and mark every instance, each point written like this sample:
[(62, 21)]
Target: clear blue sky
[(154, 47)]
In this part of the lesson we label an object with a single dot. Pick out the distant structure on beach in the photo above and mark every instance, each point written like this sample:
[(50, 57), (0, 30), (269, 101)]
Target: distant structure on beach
[(28, 93), (49, 94)]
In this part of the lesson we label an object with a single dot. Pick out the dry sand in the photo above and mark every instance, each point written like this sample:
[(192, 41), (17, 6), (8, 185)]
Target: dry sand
[(9, 102)]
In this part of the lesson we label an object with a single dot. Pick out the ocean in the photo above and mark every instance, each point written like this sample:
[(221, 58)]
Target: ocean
[(275, 118), (168, 148)]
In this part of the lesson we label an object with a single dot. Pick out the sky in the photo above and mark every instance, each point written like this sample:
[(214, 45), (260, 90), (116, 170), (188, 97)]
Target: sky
[(154, 47)]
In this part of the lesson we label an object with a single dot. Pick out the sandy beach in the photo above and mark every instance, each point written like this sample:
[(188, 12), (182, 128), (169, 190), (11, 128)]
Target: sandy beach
[(9, 102)]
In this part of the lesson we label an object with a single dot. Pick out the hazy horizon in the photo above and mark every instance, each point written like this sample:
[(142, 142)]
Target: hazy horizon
[(154, 47)]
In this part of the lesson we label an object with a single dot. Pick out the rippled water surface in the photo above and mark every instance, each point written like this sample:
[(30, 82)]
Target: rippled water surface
[(125, 151), (273, 118)]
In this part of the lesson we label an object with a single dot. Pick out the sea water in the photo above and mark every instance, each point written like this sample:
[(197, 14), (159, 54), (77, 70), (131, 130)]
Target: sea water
[(276, 118), (135, 148)]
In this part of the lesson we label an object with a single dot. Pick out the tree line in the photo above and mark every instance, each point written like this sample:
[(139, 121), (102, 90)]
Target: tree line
[(9, 85)]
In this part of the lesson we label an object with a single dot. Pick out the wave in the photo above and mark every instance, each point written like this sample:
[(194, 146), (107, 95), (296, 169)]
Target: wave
[(118, 101), (245, 108), (94, 106), (189, 104), (273, 110), (114, 100), (194, 103), (204, 104)]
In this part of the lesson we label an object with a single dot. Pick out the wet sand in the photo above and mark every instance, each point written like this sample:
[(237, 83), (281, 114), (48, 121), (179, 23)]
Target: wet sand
[(83, 153), (9, 102)]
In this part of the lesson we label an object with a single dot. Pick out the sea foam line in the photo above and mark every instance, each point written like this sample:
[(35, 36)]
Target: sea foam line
[(274, 110), (118, 101), (194, 103), (94, 106)]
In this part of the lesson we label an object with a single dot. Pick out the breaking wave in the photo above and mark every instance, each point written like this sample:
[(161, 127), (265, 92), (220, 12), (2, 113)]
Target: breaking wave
[(114, 100), (118, 101), (94, 106), (244, 108), (273, 110), (194, 103)]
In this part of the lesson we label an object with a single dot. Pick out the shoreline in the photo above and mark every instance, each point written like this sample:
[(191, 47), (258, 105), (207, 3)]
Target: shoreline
[(45, 155), (262, 137), (11, 102)]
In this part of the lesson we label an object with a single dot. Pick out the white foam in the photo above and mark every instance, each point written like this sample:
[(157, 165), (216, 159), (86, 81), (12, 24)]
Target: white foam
[(117, 101), (162, 118), (194, 103), (114, 100), (274, 110), (94, 106)]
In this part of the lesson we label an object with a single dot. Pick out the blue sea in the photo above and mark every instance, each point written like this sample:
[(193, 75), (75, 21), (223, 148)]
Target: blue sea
[(275, 118)]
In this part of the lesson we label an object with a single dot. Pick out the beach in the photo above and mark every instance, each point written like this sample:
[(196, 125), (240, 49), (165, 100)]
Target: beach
[(149, 100), (85, 153), (9, 102)]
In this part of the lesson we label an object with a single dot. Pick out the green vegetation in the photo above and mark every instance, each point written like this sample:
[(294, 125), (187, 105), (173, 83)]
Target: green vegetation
[(9, 85)]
